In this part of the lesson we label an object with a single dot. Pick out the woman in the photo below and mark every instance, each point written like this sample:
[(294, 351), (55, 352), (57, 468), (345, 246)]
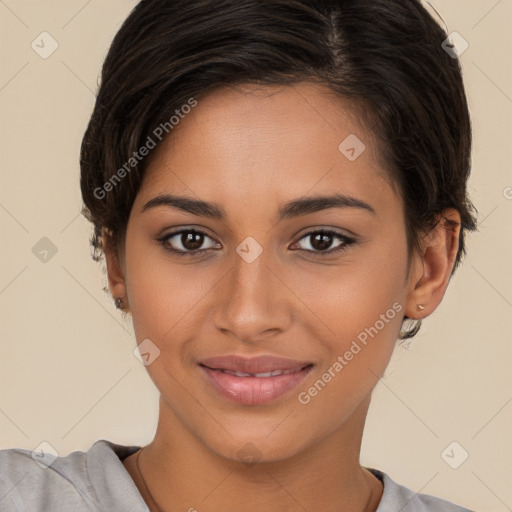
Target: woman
[(279, 191)]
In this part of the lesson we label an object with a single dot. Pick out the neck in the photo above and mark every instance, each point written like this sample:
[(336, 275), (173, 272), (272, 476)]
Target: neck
[(181, 473)]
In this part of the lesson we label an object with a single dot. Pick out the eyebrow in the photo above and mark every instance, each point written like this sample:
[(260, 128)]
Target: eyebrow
[(295, 208)]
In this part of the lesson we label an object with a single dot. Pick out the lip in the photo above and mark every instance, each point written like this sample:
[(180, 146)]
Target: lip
[(266, 377)]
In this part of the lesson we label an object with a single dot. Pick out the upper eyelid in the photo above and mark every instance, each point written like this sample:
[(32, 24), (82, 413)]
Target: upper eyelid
[(346, 240), (172, 234)]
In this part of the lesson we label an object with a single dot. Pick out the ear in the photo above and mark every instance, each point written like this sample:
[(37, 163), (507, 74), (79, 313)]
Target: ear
[(115, 272), (439, 250)]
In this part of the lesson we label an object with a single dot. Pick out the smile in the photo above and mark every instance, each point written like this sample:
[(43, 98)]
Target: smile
[(253, 381), (275, 373)]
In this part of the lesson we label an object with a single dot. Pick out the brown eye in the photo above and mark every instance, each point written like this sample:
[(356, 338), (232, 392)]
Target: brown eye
[(186, 242), (191, 241), (321, 240)]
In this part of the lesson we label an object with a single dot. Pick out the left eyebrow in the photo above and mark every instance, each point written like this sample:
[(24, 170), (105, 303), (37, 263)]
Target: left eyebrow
[(319, 203), (291, 209), (187, 204)]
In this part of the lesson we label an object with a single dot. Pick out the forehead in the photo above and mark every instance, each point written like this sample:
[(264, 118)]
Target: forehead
[(248, 142)]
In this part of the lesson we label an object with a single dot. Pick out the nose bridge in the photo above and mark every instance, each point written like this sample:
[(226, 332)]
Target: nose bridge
[(249, 277), (251, 302)]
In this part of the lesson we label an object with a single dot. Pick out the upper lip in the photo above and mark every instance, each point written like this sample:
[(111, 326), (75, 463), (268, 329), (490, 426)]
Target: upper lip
[(259, 364)]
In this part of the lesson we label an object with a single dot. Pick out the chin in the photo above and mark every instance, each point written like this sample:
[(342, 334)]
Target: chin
[(260, 447)]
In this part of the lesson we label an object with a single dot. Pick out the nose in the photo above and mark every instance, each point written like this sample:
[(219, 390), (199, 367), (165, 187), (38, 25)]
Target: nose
[(253, 302)]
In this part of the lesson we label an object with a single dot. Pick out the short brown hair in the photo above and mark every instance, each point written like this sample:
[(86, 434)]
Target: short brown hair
[(386, 56)]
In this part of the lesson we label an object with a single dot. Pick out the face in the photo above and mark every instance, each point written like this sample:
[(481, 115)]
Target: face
[(274, 315)]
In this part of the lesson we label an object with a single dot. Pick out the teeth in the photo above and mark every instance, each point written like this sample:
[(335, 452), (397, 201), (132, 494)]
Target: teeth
[(269, 374), (274, 373), (238, 374)]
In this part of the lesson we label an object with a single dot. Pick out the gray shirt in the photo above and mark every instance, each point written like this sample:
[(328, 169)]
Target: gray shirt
[(96, 480)]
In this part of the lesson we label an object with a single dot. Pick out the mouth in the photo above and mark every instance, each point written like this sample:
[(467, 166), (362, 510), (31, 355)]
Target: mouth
[(253, 381)]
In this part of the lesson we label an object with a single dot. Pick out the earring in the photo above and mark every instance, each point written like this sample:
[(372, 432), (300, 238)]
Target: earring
[(119, 302), (420, 307)]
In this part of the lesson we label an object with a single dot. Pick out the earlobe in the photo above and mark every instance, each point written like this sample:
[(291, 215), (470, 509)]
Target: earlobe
[(440, 247), (115, 274)]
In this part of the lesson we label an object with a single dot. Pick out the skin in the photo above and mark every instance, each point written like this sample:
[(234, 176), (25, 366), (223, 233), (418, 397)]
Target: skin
[(251, 149)]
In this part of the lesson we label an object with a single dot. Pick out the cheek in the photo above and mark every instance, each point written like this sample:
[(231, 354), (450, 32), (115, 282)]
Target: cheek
[(163, 304), (365, 290), (364, 326), (160, 294), (361, 311)]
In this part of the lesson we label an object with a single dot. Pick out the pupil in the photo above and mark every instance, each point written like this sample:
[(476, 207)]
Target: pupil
[(325, 241), (192, 241)]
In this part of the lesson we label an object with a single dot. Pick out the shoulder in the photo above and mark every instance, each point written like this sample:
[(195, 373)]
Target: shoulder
[(397, 497), (81, 481), (28, 479)]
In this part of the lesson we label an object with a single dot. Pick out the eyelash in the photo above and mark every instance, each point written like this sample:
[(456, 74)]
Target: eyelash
[(347, 242)]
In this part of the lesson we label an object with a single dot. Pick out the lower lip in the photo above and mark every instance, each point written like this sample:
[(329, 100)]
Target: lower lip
[(253, 390)]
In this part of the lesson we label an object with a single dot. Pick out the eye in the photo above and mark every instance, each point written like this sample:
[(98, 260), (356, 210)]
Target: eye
[(186, 242), (320, 240)]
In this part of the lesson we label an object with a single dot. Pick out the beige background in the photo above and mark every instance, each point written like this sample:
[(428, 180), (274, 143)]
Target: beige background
[(68, 375)]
